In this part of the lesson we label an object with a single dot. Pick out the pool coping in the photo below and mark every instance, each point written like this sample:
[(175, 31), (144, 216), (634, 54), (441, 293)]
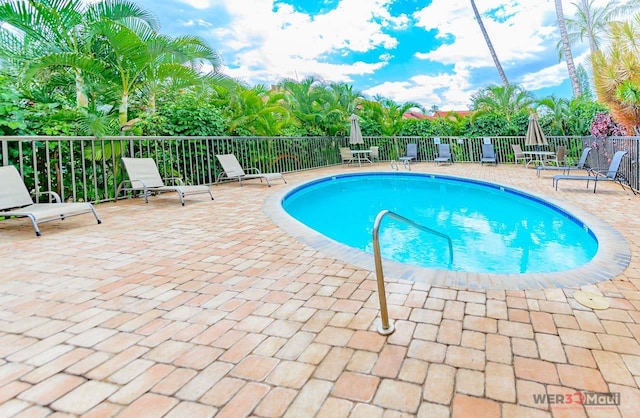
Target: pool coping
[(611, 259)]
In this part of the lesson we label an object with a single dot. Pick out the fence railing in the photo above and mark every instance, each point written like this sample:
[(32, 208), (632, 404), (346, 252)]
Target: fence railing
[(90, 169)]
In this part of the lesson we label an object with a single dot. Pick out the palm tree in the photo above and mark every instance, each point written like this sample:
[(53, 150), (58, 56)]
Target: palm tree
[(591, 22), (343, 101), (303, 101), (348, 98), (257, 111), (617, 73), (556, 109), (566, 48), (506, 101), (51, 29), (131, 60), (176, 59), (387, 113), (503, 76), (334, 105)]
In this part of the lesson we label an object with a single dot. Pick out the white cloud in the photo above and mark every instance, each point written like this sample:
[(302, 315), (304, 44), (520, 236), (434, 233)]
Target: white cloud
[(274, 43), (447, 91), (520, 37), (264, 41), (199, 4), (198, 22), (550, 76)]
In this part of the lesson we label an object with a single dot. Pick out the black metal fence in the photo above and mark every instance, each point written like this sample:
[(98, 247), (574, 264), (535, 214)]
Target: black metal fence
[(90, 169)]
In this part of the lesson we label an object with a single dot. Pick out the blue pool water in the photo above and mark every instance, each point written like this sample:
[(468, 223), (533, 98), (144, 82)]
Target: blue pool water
[(494, 229)]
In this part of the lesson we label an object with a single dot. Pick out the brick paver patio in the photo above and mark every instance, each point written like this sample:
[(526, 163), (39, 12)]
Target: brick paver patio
[(213, 310)]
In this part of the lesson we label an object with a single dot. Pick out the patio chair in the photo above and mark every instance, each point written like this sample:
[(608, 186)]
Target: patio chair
[(558, 158), (488, 154), (346, 155), (374, 153), (580, 165), (15, 200), (518, 154), (610, 174), (233, 170), (444, 154), (144, 176), (412, 155)]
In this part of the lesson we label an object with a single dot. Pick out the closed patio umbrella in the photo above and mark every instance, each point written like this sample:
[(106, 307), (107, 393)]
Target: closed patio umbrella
[(355, 136), (535, 136)]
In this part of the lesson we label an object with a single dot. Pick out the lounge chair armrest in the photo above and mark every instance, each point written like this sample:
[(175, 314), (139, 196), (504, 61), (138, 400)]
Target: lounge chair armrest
[(256, 170), (139, 181), (124, 183), (598, 171), (176, 180), (55, 195)]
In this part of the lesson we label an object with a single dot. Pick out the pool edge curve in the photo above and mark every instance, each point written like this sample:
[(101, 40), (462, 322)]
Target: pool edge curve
[(611, 259)]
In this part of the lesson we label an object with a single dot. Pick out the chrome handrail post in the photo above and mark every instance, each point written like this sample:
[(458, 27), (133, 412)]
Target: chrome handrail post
[(386, 328)]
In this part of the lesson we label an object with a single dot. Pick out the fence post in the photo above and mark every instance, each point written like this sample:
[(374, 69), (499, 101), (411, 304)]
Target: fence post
[(5, 153)]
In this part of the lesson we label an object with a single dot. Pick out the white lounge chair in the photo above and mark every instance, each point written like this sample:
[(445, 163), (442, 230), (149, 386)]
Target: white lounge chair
[(15, 200), (233, 170), (144, 176), (609, 174)]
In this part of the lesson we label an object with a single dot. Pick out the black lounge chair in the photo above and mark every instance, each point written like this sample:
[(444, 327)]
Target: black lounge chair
[(444, 154), (412, 155), (610, 174), (488, 154), (581, 164)]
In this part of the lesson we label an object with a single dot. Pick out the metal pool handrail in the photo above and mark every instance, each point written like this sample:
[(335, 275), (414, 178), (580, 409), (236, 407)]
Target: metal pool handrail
[(386, 327)]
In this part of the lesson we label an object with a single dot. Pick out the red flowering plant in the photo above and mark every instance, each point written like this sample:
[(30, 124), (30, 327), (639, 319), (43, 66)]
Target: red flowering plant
[(604, 126)]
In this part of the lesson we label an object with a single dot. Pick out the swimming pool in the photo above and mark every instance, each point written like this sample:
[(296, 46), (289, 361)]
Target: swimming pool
[(529, 242), (493, 229)]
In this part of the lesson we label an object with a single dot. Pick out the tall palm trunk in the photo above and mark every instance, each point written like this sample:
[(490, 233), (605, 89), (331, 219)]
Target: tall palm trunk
[(81, 97), (586, 7), (123, 109), (571, 67), (503, 76)]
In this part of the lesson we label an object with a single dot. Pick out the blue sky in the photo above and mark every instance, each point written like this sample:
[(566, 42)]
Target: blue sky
[(429, 52)]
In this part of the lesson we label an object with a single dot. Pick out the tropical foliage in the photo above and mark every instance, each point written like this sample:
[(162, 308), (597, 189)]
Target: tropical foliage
[(617, 73), (71, 67), (591, 22), (508, 101)]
